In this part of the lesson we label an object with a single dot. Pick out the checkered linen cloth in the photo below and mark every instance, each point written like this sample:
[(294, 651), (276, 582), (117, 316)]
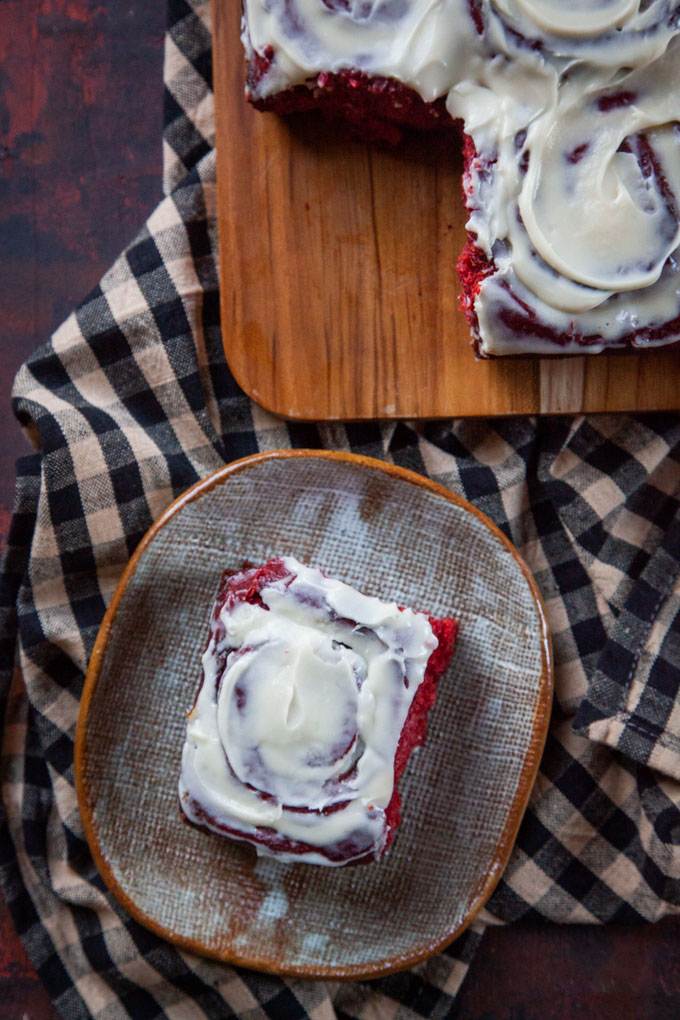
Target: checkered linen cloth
[(129, 404)]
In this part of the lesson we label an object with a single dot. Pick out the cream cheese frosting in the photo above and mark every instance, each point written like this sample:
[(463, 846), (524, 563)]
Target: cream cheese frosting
[(298, 719), (573, 110)]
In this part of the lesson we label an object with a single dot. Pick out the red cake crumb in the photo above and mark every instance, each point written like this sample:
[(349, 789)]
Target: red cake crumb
[(415, 728), (473, 264), (372, 107)]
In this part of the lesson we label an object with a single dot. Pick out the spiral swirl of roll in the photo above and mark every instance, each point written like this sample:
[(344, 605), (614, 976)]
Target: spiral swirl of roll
[(306, 687)]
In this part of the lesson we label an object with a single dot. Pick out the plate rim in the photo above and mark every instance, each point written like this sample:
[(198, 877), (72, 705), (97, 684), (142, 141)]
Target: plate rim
[(532, 757)]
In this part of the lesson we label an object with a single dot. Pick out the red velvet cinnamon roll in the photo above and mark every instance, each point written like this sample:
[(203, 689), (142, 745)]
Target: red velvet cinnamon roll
[(312, 698), (571, 117)]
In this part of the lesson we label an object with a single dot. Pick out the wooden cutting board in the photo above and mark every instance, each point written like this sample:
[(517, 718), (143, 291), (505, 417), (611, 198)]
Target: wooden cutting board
[(339, 294)]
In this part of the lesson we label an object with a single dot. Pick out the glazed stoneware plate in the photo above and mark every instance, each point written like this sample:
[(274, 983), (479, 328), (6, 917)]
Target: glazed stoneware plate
[(390, 533)]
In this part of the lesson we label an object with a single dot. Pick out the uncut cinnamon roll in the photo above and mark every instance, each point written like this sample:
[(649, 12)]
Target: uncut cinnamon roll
[(571, 121), (312, 698)]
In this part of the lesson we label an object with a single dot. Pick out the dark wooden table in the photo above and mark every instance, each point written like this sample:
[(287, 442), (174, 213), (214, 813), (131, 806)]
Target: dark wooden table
[(80, 144)]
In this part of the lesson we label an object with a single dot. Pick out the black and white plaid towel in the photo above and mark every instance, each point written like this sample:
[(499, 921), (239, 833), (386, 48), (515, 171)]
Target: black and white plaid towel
[(129, 404)]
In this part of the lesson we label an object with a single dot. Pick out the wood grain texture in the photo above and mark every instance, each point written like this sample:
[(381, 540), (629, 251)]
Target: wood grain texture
[(338, 285)]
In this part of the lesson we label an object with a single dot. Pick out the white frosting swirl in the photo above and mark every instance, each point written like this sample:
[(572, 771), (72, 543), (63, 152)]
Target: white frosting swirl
[(574, 112), (298, 719), (580, 19)]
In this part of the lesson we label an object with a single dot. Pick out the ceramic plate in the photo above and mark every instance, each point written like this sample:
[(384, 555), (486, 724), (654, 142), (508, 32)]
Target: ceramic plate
[(393, 534)]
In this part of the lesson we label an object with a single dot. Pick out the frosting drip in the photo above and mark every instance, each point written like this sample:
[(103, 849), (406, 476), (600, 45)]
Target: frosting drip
[(297, 723), (574, 111)]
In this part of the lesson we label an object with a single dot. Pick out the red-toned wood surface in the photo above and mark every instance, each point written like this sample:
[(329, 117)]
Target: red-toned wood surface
[(80, 154)]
